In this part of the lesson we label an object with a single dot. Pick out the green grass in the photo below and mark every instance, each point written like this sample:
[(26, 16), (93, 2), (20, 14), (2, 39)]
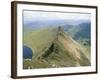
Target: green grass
[(40, 39)]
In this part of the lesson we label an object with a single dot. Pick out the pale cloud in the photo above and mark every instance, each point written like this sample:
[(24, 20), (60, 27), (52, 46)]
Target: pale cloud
[(36, 15)]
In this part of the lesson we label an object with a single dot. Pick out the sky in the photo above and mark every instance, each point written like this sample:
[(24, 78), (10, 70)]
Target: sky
[(30, 16)]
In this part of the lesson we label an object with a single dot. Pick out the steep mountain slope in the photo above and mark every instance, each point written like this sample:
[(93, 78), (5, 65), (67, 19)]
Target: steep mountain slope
[(54, 48), (82, 34)]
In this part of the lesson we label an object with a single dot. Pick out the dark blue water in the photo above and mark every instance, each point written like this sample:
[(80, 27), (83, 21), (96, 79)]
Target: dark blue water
[(27, 52)]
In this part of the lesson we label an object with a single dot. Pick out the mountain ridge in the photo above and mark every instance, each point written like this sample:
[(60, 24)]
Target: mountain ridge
[(62, 51)]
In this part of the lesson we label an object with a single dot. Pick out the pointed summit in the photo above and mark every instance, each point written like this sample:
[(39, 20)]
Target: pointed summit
[(60, 30)]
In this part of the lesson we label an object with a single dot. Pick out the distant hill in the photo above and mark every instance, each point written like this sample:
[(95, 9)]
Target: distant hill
[(80, 31), (33, 25), (85, 31), (52, 47)]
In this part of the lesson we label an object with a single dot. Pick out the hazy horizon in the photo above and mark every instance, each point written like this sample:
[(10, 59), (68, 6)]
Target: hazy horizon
[(41, 15)]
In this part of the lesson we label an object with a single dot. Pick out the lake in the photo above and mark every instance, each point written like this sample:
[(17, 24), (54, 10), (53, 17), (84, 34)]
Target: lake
[(27, 52)]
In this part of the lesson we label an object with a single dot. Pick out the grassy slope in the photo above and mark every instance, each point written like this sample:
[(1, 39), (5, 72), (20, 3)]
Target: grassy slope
[(40, 39)]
